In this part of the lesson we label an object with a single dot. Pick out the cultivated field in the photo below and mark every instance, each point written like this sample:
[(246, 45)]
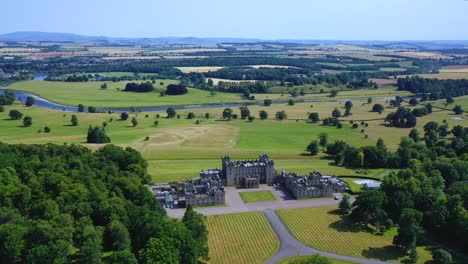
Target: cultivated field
[(443, 75), (257, 196), (241, 238), (199, 69), (323, 228)]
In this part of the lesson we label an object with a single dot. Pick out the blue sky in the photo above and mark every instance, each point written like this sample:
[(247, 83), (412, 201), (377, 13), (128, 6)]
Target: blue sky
[(285, 19)]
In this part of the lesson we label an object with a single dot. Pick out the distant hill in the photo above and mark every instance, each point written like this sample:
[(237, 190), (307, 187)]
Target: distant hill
[(34, 36)]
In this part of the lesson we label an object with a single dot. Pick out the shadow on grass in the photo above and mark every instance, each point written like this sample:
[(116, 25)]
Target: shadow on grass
[(383, 253)]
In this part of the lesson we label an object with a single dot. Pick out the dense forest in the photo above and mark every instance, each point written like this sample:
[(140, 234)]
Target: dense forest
[(63, 204), (435, 87), (430, 185)]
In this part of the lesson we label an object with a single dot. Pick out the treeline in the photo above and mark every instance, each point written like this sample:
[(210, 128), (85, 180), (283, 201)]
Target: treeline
[(63, 204), (436, 88), (431, 182), (139, 88), (7, 98)]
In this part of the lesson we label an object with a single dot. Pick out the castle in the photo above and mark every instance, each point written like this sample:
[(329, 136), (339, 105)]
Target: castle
[(312, 186), (208, 188)]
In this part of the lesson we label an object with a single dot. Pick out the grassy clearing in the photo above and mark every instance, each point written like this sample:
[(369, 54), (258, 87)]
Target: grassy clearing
[(240, 238), (199, 69), (258, 196), (331, 232)]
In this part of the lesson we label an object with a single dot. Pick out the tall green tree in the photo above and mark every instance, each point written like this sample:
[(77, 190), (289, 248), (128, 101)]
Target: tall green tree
[(409, 229), (195, 222)]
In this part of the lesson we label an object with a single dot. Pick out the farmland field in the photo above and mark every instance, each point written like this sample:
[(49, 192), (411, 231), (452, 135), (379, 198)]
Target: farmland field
[(330, 232), (199, 69), (240, 238), (257, 196)]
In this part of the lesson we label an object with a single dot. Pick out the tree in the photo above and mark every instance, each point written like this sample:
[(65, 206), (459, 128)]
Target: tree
[(450, 100), (291, 102), (2, 109), (123, 257), (92, 109), (15, 114), (267, 102), (348, 104), (378, 108), (139, 88), (313, 148), (415, 135), (413, 101), (97, 135), (227, 113), (134, 121), (176, 89), (368, 208), (124, 116), (116, 236), (323, 140), (458, 110), (441, 256), (409, 229), (263, 114), (369, 100), (156, 123), (245, 112), (313, 259), (90, 252), (191, 115), (207, 115), (413, 255), (30, 101), (104, 86), (345, 204), (333, 93), (12, 242), (281, 115), (27, 121), (210, 82), (314, 117), (47, 129), (74, 120), (81, 108), (159, 251), (171, 112), (336, 113), (195, 222)]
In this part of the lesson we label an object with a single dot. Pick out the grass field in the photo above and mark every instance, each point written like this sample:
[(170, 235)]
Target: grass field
[(258, 196), (240, 238), (443, 75), (178, 148), (331, 233), (199, 69)]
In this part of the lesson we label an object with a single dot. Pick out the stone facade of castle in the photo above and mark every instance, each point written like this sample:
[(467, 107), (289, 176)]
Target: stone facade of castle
[(202, 191), (312, 186)]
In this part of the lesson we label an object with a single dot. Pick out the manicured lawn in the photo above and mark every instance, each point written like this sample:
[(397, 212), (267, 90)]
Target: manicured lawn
[(240, 238), (323, 228), (259, 196)]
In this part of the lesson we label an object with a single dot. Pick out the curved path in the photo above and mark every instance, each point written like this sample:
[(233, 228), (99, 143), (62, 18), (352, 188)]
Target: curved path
[(290, 246), (44, 103)]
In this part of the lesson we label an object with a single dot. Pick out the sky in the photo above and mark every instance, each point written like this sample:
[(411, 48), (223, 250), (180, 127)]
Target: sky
[(273, 19)]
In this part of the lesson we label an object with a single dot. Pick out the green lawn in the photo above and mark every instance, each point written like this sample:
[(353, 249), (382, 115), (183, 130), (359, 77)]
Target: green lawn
[(323, 228), (258, 196), (240, 238)]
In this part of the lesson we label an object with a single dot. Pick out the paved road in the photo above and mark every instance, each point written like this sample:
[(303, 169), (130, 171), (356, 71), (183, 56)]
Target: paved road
[(290, 246)]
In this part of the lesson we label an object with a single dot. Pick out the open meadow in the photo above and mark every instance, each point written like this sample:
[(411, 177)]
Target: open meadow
[(179, 148), (241, 238), (323, 228)]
